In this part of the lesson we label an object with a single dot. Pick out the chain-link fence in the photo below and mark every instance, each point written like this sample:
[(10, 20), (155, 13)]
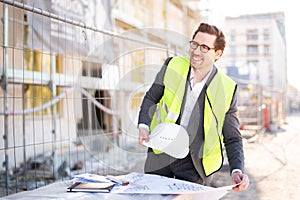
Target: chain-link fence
[(70, 94)]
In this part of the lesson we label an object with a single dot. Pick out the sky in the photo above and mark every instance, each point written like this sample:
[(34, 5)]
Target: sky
[(292, 16)]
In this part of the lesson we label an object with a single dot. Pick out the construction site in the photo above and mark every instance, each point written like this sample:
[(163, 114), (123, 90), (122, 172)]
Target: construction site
[(71, 88)]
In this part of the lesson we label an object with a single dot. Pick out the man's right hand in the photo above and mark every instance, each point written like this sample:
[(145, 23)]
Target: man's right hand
[(143, 136)]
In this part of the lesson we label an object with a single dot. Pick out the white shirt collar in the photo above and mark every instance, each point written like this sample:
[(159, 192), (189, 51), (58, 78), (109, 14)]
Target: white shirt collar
[(192, 76)]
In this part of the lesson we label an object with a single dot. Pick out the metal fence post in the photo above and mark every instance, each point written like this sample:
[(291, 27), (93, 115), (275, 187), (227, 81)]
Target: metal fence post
[(4, 79)]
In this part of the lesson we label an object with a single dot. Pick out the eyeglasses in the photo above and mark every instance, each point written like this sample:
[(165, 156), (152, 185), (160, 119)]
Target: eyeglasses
[(203, 48)]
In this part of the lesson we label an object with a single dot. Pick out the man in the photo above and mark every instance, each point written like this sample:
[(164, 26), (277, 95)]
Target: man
[(191, 92)]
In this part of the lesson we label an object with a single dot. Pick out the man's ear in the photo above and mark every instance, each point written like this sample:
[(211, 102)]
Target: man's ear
[(218, 54)]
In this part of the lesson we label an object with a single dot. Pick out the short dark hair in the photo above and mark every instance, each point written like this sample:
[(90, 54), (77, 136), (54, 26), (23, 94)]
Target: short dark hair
[(220, 42)]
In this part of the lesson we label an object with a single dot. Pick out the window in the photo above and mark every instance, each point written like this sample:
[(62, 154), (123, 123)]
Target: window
[(93, 117), (252, 63), (266, 49), (266, 34), (252, 34), (232, 50), (138, 60), (232, 35), (36, 95), (253, 69), (252, 49)]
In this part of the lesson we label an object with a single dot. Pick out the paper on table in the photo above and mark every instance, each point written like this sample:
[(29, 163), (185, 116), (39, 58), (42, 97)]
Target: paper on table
[(209, 194), (155, 184), (227, 187), (91, 178)]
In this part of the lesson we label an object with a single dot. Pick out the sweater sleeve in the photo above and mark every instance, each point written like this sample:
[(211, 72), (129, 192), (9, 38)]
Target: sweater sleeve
[(232, 137), (152, 97)]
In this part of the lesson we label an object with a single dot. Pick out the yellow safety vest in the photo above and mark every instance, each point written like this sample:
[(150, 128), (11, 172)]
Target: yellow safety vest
[(218, 98)]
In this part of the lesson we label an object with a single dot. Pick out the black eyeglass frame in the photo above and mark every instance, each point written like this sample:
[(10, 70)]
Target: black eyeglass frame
[(203, 47)]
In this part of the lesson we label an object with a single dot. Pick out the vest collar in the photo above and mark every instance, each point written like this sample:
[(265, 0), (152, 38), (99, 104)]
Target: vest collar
[(212, 75)]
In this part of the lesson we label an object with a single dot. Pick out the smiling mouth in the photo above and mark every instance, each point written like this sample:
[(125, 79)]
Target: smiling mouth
[(196, 59)]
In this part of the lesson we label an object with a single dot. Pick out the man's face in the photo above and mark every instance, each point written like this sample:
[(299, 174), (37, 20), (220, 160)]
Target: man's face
[(199, 59)]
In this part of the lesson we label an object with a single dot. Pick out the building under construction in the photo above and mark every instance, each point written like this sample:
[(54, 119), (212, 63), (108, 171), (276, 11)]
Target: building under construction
[(73, 74)]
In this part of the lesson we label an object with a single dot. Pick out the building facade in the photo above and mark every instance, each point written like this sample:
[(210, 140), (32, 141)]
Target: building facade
[(256, 58)]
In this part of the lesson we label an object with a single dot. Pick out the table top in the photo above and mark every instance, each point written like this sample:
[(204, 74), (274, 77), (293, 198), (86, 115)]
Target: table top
[(58, 190), (155, 187)]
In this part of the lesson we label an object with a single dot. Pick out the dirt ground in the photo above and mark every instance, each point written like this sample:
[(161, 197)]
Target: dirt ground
[(272, 162)]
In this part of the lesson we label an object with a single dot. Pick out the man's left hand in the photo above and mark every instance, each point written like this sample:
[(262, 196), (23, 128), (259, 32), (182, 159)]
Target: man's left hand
[(241, 179)]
